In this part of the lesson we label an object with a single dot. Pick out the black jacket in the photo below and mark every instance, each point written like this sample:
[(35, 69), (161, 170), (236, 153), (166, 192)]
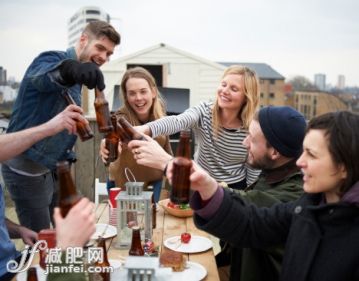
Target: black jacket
[(322, 240)]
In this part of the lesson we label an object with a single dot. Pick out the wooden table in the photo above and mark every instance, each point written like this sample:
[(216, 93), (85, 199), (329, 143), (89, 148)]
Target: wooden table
[(167, 226)]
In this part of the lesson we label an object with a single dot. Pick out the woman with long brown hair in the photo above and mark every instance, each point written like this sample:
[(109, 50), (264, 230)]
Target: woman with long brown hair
[(142, 103)]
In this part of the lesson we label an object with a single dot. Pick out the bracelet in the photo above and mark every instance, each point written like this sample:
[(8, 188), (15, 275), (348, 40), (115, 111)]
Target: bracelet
[(223, 184), (165, 169)]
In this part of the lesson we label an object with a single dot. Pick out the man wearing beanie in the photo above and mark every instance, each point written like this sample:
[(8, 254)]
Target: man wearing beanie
[(274, 143)]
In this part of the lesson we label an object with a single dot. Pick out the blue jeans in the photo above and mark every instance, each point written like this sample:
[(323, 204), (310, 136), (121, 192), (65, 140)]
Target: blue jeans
[(34, 197), (157, 186)]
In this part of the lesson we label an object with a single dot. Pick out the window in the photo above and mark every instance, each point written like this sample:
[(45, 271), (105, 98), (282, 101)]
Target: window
[(262, 95), (271, 95), (272, 81), (89, 19), (92, 12), (155, 70)]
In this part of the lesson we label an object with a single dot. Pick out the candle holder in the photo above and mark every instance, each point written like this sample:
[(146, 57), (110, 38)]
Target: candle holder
[(133, 208)]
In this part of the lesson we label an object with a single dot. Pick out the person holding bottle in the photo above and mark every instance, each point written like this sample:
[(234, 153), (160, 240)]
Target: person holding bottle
[(13, 144), (142, 103), (219, 128), (274, 144), (320, 229), (30, 177)]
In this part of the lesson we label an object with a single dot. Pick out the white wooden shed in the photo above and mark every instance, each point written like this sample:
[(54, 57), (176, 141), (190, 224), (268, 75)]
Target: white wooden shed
[(176, 69)]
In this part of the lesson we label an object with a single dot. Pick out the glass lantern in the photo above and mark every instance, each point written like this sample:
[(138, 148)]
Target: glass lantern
[(133, 208)]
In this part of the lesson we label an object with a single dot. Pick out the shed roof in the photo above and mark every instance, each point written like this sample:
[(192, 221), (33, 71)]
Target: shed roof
[(263, 70)]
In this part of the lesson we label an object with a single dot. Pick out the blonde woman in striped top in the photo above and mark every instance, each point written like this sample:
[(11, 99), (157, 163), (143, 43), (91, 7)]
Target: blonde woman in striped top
[(219, 127)]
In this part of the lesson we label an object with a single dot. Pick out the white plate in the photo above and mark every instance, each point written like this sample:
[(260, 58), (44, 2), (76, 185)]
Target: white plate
[(111, 231), (41, 276), (196, 244), (193, 272)]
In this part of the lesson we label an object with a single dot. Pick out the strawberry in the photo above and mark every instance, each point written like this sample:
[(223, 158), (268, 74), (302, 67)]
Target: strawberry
[(185, 237)]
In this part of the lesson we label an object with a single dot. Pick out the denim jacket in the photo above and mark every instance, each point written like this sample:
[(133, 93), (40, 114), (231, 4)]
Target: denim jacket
[(39, 99)]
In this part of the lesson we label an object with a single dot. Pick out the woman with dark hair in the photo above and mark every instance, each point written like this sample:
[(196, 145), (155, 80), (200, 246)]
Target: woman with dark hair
[(321, 229)]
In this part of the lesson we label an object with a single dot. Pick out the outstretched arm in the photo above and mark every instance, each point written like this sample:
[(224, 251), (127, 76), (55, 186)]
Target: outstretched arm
[(149, 153), (15, 143)]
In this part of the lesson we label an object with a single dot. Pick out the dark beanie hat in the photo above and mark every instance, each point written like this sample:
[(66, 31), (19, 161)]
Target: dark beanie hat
[(284, 129)]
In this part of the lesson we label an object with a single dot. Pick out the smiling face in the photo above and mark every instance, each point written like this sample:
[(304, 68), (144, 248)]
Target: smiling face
[(95, 50), (231, 92), (321, 174), (140, 97)]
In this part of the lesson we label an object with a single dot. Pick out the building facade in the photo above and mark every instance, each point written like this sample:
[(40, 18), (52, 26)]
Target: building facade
[(3, 78), (341, 82), (312, 104), (319, 81), (78, 21)]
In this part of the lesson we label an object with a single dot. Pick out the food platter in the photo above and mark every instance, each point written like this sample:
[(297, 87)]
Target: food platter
[(177, 212)]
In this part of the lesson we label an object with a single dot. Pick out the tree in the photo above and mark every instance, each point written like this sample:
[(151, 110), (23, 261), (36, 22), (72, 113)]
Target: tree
[(301, 83)]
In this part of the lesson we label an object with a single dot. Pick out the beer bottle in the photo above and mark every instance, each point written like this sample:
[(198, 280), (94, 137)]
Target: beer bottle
[(83, 129), (68, 196), (102, 112), (111, 141), (182, 164), (31, 274), (104, 274), (130, 131), (136, 246), (125, 138)]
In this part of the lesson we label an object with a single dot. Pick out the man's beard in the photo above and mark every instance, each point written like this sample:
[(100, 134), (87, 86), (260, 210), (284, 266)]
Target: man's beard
[(262, 163), (84, 55)]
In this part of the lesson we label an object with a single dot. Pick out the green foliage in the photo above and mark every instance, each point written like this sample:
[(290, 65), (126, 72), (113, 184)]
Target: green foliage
[(301, 83)]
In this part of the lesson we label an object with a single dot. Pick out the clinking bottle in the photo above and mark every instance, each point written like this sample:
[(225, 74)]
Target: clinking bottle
[(180, 192), (102, 112), (83, 129), (68, 195), (129, 130), (125, 138), (111, 141)]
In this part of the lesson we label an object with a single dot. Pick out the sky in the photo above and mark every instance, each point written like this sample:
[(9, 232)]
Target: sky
[(296, 37)]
